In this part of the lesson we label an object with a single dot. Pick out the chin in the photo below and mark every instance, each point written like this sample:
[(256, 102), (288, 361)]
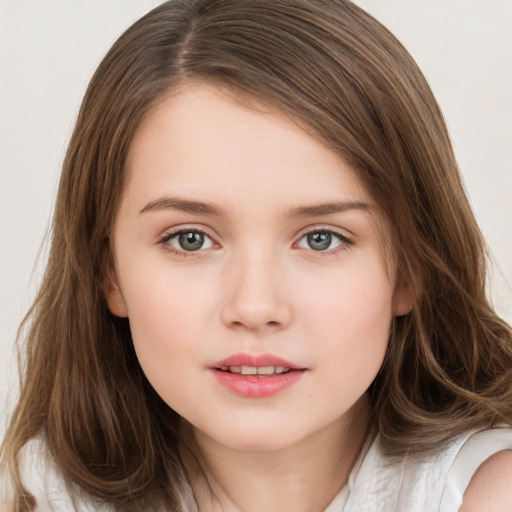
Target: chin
[(258, 439)]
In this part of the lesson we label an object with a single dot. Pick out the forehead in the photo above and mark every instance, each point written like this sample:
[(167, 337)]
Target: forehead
[(205, 135)]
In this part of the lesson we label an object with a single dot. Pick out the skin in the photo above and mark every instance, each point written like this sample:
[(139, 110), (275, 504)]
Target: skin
[(256, 286), (490, 489)]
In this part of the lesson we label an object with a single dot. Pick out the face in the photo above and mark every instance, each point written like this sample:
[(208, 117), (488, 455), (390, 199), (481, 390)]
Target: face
[(249, 266)]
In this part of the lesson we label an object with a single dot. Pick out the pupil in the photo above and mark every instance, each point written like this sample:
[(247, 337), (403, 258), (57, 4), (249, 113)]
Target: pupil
[(319, 241), (191, 241)]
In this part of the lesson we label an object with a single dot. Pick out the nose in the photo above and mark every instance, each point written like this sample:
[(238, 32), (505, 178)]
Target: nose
[(256, 298)]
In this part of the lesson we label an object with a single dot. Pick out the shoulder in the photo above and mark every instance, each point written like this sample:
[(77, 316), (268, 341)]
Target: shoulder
[(480, 472), (490, 488)]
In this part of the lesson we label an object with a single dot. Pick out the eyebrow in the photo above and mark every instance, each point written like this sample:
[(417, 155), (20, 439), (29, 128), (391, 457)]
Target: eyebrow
[(330, 208), (201, 208), (183, 205)]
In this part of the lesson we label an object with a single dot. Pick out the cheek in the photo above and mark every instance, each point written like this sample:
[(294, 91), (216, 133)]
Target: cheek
[(351, 321), (163, 347), (158, 314), (164, 305), (169, 313), (358, 298)]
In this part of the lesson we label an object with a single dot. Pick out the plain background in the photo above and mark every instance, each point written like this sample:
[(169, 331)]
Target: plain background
[(49, 50)]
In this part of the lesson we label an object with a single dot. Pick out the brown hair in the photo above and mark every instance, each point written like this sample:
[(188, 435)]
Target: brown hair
[(346, 79)]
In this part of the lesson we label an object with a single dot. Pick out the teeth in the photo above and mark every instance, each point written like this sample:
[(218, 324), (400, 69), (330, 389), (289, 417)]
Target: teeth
[(265, 370), (249, 370), (256, 370)]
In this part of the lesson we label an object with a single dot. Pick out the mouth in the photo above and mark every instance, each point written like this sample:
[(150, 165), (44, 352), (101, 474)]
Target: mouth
[(257, 376), (264, 365), (260, 371)]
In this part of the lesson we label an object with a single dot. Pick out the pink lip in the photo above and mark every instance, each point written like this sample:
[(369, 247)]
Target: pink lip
[(256, 360), (254, 386)]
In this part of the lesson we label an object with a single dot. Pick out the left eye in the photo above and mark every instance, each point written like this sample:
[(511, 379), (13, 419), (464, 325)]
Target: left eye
[(189, 241), (321, 240)]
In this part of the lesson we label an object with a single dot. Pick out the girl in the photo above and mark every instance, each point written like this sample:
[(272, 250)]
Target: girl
[(266, 288)]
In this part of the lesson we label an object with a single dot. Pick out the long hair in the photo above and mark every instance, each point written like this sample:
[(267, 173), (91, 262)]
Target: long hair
[(346, 80)]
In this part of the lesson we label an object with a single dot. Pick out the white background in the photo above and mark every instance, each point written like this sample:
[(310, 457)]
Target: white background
[(49, 50)]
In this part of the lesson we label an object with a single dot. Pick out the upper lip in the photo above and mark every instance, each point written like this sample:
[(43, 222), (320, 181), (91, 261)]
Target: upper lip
[(256, 360)]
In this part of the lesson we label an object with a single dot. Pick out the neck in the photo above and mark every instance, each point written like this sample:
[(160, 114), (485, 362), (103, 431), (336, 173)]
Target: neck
[(303, 477)]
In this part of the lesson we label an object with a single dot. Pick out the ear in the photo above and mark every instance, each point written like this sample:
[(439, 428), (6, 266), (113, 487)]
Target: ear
[(114, 295), (403, 300)]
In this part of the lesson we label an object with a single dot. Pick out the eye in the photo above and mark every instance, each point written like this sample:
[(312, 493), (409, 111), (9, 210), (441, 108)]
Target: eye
[(322, 240), (188, 240)]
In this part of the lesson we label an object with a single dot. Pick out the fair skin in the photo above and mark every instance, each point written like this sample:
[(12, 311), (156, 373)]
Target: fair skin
[(490, 489), (243, 245)]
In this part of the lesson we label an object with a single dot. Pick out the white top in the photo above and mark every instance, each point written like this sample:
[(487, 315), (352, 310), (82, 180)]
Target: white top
[(435, 483)]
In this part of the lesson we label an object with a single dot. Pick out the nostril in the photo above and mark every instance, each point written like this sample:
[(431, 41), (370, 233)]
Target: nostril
[(254, 313)]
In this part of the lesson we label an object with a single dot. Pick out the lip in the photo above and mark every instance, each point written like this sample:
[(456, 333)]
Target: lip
[(256, 360), (256, 386)]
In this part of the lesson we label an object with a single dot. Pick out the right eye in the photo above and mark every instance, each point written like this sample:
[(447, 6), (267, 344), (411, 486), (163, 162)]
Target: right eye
[(323, 240), (187, 240)]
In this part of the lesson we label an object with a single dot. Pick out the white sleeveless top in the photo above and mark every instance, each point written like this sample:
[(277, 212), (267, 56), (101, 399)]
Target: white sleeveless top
[(435, 483)]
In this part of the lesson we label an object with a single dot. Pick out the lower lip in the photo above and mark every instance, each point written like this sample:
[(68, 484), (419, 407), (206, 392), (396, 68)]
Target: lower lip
[(253, 386)]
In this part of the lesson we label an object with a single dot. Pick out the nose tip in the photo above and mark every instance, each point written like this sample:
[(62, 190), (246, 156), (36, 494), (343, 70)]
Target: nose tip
[(251, 318), (256, 300)]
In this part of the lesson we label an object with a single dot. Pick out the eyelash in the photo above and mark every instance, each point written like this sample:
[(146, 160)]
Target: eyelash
[(345, 242), (164, 240), (167, 237)]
